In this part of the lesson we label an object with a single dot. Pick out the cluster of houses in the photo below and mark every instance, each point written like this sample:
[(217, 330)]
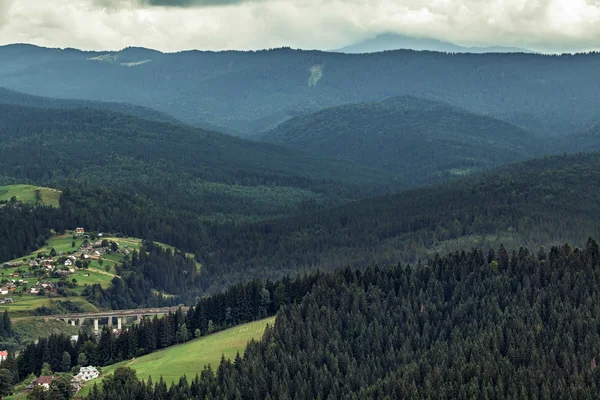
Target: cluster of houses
[(61, 265), (85, 374), (12, 285)]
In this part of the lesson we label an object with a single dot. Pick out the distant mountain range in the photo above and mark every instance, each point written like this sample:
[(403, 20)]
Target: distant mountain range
[(423, 140), (393, 41), (248, 92)]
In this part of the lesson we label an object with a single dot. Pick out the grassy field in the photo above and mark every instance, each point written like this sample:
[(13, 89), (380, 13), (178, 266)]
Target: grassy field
[(23, 306), (62, 243), (190, 358), (26, 194), (29, 329)]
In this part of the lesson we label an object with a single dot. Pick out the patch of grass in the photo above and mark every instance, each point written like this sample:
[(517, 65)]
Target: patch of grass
[(26, 194), (92, 278), (23, 306), (131, 243), (190, 358), (29, 329), (61, 243)]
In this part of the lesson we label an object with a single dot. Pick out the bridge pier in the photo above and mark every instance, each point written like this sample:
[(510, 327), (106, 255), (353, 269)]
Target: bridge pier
[(138, 314)]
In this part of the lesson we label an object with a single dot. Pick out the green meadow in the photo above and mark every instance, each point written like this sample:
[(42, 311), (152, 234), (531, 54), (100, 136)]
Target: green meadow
[(24, 305), (190, 358), (26, 194)]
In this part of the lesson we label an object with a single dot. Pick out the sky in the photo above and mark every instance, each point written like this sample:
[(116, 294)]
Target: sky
[(173, 25)]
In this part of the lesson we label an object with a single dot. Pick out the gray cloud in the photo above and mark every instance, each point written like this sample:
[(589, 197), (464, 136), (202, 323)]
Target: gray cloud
[(191, 3), (5, 6), (550, 25)]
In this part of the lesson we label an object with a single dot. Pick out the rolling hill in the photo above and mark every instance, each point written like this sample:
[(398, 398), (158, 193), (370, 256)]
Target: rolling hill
[(422, 139), (393, 41), (538, 202), (8, 96), (178, 166), (251, 92)]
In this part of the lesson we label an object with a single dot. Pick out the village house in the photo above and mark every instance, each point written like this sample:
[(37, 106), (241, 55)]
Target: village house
[(79, 231), (48, 285), (68, 263), (76, 384), (87, 373), (3, 355), (4, 290), (34, 290), (45, 381)]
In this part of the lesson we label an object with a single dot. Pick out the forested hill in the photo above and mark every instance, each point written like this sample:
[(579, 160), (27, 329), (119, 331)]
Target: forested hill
[(544, 201), (480, 324), (177, 166), (587, 139), (8, 96), (254, 91), (426, 140)]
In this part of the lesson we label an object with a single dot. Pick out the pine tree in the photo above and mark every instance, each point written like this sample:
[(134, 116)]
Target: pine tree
[(65, 364)]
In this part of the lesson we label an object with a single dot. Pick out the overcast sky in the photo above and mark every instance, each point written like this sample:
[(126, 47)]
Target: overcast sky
[(172, 25)]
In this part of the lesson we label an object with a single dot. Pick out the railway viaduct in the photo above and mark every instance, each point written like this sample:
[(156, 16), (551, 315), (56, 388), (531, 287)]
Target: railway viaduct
[(139, 313)]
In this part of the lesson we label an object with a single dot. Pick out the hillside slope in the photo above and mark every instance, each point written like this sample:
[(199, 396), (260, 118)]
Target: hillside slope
[(253, 91), (532, 203), (190, 358), (584, 140), (425, 140), (8, 96), (184, 167)]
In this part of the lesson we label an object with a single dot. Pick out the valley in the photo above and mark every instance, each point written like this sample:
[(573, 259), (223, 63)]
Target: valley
[(404, 217)]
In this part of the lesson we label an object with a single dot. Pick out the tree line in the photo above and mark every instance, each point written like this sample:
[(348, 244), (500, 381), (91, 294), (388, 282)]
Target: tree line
[(543, 201), (238, 305), (471, 324)]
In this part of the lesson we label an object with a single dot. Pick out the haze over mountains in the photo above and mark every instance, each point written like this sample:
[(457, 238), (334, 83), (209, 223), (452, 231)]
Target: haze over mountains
[(249, 92), (353, 173), (394, 41), (426, 140)]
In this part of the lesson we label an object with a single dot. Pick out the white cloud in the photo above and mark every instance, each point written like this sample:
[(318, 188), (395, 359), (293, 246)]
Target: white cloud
[(252, 24)]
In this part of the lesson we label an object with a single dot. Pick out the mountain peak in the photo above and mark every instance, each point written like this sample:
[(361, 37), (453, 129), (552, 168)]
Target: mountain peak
[(393, 41)]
